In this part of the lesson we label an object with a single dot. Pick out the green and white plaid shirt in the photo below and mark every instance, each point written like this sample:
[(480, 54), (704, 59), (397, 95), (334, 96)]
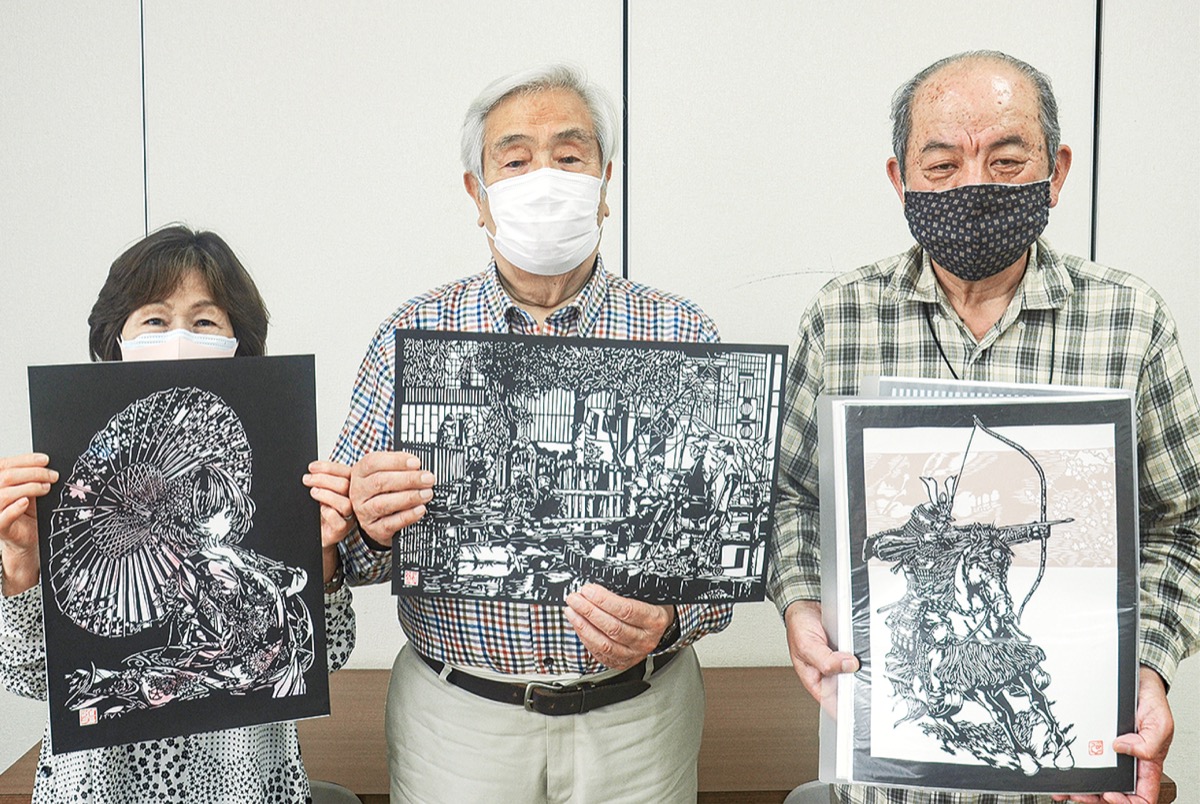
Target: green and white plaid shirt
[(1071, 322)]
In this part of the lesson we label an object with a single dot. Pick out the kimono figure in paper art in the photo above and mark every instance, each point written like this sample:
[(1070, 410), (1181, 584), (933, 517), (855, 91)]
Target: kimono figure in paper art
[(236, 620), (521, 497), (548, 504), (477, 470), (652, 505), (447, 432)]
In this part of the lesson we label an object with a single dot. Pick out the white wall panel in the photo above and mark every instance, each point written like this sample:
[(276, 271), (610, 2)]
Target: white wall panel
[(759, 134), (1148, 212), (321, 140), (1148, 217), (71, 173)]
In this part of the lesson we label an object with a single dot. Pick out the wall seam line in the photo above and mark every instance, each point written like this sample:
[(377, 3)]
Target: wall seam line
[(145, 169), (1096, 75), (625, 138)]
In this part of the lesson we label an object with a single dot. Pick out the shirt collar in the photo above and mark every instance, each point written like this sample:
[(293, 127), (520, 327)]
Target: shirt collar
[(589, 302), (587, 305), (495, 299), (1047, 286)]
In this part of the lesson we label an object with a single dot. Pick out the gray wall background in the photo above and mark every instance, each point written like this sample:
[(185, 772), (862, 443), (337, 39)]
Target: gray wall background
[(321, 140)]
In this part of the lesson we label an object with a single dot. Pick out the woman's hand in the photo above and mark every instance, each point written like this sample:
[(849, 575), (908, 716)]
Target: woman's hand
[(23, 478)]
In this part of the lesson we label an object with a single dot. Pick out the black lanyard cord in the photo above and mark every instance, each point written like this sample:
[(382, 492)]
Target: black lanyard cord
[(937, 342)]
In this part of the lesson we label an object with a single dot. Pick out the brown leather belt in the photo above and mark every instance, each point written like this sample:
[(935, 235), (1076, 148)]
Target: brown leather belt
[(555, 697)]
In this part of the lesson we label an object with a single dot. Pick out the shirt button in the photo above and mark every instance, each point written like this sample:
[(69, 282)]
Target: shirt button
[(548, 663), (44, 771)]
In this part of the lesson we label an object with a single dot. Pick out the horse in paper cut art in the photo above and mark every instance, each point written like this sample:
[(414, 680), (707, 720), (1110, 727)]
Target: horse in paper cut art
[(959, 659)]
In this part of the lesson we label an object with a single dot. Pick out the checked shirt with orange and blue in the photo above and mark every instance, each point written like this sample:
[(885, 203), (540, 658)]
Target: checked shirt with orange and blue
[(511, 638)]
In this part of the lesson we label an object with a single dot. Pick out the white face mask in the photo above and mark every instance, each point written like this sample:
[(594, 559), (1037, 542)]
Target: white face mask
[(545, 220), (178, 344)]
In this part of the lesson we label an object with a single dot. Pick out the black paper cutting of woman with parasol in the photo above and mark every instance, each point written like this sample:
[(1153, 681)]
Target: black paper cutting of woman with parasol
[(146, 534)]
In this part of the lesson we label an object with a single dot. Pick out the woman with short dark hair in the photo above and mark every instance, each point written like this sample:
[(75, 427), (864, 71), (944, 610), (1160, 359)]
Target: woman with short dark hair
[(174, 293)]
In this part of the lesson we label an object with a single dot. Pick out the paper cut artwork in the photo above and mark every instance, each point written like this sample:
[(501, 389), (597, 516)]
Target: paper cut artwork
[(956, 634), (979, 556), (146, 534), (146, 552), (645, 467)]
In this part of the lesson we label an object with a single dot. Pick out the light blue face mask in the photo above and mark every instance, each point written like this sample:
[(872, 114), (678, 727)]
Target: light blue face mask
[(178, 344)]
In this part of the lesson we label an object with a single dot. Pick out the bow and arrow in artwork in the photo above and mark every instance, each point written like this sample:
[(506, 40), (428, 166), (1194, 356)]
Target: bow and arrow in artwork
[(959, 659)]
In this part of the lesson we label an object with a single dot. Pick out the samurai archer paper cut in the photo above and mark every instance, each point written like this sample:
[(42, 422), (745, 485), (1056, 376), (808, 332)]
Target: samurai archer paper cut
[(979, 557), (150, 562), (146, 535), (956, 632), (646, 467)]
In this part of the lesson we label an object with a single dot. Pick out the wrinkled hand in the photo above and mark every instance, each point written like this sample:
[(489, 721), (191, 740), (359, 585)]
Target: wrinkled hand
[(1149, 744), (388, 491), (329, 484), (618, 631), (815, 663), (22, 479)]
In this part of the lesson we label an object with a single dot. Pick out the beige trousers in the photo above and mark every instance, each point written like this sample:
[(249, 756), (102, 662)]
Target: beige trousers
[(448, 745)]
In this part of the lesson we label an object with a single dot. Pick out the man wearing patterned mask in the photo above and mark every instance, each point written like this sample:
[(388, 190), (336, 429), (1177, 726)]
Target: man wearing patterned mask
[(464, 722), (983, 297)]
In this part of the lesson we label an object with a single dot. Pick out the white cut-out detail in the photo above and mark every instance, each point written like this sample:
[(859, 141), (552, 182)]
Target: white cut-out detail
[(146, 535), (960, 663), (646, 468), (109, 568)]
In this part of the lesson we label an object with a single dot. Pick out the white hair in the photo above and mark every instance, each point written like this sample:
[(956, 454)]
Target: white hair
[(599, 103)]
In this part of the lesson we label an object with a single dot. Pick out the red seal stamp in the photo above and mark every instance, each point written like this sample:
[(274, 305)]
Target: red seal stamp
[(411, 577), (87, 717), (1095, 747)]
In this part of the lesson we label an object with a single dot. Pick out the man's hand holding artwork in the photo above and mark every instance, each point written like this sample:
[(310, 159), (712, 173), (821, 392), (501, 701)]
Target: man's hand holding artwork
[(22, 478), (329, 484), (618, 631), (389, 491), (808, 644), (1149, 744)]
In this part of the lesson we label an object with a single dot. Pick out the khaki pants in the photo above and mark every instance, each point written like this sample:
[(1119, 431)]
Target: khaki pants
[(448, 745)]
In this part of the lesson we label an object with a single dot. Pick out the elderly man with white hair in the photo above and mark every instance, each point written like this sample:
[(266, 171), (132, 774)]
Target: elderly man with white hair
[(618, 703)]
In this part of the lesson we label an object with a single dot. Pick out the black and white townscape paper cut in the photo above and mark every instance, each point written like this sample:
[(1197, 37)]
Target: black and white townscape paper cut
[(181, 557), (980, 558), (645, 467)]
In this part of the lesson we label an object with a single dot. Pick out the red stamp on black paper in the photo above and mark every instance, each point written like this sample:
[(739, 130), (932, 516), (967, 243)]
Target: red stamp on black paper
[(87, 717), (411, 577)]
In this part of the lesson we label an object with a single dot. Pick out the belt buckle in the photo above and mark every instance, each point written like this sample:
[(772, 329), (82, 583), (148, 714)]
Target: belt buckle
[(552, 686)]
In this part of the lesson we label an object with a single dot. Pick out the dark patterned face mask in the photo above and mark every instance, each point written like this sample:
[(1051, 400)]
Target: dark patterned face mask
[(978, 230)]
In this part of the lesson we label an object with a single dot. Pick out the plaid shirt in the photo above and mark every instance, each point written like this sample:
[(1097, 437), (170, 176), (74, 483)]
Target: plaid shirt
[(1072, 322), (499, 636)]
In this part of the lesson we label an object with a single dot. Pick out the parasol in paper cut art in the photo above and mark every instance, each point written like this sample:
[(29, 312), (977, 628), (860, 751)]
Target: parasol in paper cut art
[(120, 531), (179, 550)]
